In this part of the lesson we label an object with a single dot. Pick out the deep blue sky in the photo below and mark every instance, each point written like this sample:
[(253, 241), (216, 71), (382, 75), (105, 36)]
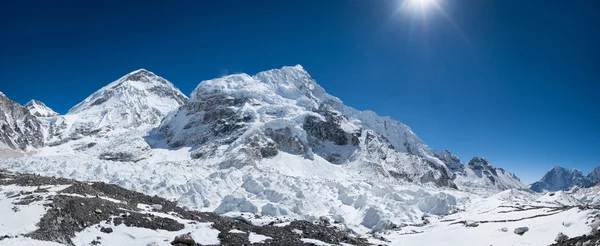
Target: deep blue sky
[(519, 83)]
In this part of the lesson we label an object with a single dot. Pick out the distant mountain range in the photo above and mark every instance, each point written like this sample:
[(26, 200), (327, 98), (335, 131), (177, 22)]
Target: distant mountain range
[(560, 178)]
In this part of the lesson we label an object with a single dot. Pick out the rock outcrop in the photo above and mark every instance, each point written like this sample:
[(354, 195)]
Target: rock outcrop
[(19, 129)]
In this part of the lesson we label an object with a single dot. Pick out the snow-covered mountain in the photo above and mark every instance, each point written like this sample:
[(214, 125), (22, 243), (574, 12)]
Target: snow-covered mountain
[(479, 175), (39, 109), (139, 99), (594, 175), (19, 129), (243, 119), (560, 178), (274, 144)]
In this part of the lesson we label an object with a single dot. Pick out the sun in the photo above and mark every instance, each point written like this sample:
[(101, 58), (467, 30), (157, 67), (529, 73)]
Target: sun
[(420, 5)]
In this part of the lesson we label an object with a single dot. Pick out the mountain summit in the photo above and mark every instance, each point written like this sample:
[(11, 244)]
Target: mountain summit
[(138, 99), (39, 109)]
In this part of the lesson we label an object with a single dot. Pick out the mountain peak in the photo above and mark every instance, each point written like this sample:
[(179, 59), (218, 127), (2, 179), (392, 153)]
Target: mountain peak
[(560, 178), (141, 75), (131, 88), (138, 99), (39, 109)]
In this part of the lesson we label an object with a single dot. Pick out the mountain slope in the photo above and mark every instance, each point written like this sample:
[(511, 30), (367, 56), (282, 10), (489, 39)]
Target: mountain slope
[(19, 129), (39, 109), (138, 99)]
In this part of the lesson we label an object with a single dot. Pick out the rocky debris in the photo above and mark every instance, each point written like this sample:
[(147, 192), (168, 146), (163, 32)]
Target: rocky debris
[(68, 214), (184, 240), (29, 199), (521, 230), (561, 237)]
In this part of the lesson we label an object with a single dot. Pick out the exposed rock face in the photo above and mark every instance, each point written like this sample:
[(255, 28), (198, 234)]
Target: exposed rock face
[(559, 178), (39, 109), (19, 129)]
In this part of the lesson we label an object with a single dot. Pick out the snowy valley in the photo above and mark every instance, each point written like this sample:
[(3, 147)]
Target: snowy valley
[(276, 150)]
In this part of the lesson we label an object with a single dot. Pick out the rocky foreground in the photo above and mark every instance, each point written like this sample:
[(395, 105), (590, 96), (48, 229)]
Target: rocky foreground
[(72, 211)]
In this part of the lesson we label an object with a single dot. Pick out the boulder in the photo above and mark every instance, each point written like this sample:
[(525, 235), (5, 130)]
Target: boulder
[(521, 230), (504, 229), (471, 223), (184, 239), (106, 230)]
